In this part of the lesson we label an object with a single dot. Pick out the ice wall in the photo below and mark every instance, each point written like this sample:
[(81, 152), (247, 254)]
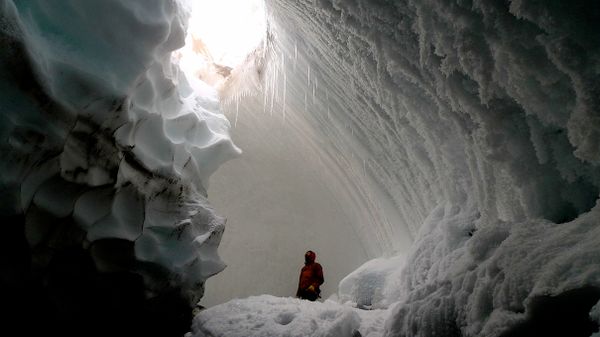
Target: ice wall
[(474, 101), (486, 109), (107, 151), (280, 200)]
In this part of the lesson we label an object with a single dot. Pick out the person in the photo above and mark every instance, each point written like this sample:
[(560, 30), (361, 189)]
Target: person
[(311, 278)]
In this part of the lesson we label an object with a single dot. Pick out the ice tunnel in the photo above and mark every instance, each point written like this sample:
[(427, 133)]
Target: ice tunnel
[(441, 157)]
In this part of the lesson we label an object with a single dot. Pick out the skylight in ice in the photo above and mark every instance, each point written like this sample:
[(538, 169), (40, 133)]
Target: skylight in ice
[(221, 33)]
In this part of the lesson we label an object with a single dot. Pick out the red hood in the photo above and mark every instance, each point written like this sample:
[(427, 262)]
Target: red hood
[(309, 257)]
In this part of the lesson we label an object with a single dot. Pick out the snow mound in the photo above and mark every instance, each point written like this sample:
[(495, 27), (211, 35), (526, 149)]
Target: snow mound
[(374, 285), (459, 280)]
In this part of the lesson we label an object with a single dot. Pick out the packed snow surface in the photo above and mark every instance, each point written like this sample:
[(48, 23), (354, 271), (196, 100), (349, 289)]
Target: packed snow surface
[(269, 316)]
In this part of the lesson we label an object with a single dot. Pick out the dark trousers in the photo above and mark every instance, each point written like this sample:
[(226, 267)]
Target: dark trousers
[(308, 295)]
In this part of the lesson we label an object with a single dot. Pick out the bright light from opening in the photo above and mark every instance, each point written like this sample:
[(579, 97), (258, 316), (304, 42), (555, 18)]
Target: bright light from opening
[(221, 34), (230, 29)]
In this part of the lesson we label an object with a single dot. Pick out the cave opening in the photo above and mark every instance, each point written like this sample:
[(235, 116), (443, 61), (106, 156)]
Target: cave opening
[(220, 35)]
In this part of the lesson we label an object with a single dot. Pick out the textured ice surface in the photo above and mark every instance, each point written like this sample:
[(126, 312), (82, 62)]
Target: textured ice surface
[(479, 279), (467, 102), (373, 285), (468, 125), (104, 129)]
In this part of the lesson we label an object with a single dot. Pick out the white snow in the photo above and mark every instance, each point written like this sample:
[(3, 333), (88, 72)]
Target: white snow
[(269, 316), (124, 142), (374, 285), (479, 278)]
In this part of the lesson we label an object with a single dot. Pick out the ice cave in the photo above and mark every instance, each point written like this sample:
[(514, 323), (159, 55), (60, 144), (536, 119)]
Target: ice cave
[(167, 163)]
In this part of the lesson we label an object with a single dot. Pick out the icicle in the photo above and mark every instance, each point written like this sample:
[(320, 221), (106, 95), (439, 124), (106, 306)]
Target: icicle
[(295, 54), (265, 45), (284, 83), (308, 75), (284, 94), (276, 76), (272, 97), (265, 98), (271, 75), (305, 102), (365, 168), (327, 103), (313, 94), (272, 101), (237, 111)]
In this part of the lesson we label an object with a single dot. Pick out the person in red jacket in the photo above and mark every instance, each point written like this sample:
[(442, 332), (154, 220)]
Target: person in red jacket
[(311, 277)]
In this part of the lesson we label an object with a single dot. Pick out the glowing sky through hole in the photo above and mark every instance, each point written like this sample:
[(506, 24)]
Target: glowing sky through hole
[(222, 33)]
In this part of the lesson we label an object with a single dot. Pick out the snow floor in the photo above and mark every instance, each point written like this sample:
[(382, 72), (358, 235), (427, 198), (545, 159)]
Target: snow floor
[(270, 316)]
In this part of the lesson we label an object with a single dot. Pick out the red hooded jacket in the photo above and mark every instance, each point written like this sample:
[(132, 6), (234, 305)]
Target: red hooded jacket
[(311, 274)]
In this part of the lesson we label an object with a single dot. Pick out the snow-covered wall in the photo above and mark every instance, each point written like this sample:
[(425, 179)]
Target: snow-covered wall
[(471, 101), (478, 121), (468, 126), (468, 129), (107, 149)]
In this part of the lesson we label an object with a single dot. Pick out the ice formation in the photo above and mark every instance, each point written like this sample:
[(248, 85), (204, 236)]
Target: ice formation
[(469, 125), (374, 284), (461, 138), (107, 154)]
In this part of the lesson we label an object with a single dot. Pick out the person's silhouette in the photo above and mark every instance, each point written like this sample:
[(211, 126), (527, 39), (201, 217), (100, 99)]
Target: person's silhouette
[(311, 277)]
